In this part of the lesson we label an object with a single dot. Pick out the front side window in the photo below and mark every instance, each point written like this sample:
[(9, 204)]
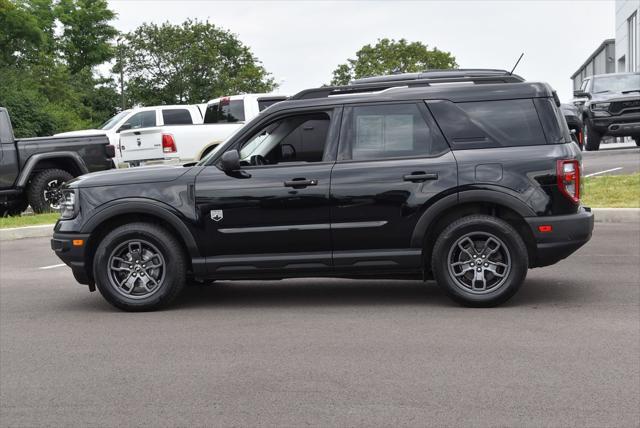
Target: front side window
[(388, 131), (225, 111), (176, 117), (143, 119), (300, 138)]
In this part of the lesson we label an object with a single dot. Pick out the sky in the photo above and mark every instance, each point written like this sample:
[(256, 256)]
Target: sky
[(301, 42)]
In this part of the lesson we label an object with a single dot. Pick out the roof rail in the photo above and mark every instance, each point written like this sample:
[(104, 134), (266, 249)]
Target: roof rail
[(427, 78)]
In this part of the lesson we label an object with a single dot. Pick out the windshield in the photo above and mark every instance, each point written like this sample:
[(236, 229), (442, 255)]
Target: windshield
[(114, 120), (616, 83)]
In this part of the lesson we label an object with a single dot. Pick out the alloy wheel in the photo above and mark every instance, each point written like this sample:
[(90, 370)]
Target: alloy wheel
[(136, 269)]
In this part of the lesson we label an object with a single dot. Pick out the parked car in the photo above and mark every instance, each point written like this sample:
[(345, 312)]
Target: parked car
[(176, 133), (610, 106), (574, 122), (32, 170), (402, 177)]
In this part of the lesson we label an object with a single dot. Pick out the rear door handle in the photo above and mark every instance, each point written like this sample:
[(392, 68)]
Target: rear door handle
[(300, 182), (420, 176)]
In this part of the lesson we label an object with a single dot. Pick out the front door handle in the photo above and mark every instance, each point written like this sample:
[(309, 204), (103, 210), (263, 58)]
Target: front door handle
[(419, 176), (300, 183)]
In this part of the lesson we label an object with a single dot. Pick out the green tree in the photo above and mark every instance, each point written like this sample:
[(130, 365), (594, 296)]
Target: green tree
[(389, 56), (86, 33), (20, 34), (188, 63), (47, 81)]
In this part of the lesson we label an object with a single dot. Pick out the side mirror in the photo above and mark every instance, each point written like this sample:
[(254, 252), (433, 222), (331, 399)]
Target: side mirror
[(230, 161), (124, 127), (581, 94)]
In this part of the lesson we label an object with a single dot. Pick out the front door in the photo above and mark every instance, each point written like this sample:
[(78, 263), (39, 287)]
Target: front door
[(273, 214), (392, 161), (140, 138)]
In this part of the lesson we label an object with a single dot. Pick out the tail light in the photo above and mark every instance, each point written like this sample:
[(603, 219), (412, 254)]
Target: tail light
[(568, 172), (168, 144)]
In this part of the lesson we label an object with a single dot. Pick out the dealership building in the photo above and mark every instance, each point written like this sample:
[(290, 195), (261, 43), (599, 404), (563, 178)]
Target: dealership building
[(618, 55)]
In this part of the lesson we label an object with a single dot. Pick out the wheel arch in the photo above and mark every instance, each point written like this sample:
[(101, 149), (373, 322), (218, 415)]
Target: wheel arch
[(450, 208), (67, 161), (130, 210)]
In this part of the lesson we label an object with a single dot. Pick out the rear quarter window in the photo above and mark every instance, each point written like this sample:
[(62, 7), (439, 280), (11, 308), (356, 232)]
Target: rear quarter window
[(480, 124)]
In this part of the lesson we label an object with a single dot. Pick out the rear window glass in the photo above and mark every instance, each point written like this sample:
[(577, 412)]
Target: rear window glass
[(267, 102), (176, 117), (225, 111), (503, 123)]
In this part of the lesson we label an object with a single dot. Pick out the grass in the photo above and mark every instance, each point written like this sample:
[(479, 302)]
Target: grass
[(28, 220), (612, 191), (607, 191)]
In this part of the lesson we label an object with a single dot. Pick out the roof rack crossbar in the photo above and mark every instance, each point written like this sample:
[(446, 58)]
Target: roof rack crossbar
[(359, 88)]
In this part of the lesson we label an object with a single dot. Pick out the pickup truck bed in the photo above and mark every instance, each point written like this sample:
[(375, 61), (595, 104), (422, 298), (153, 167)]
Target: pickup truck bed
[(32, 169)]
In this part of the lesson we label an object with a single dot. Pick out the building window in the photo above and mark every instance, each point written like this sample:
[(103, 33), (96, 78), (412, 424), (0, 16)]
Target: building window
[(634, 44)]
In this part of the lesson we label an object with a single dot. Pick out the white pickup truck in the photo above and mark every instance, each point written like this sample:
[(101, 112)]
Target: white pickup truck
[(177, 133)]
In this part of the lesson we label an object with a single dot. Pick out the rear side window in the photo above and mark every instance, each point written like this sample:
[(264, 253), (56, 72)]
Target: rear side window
[(388, 131), (225, 111), (176, 117), (503, 123), (263, 103)]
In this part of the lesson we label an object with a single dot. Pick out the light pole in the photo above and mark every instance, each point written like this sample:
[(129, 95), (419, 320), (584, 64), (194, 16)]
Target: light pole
[(119, 49)]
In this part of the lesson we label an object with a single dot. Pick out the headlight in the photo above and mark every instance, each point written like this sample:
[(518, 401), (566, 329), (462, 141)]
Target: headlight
[(69, 204), (600, 106)]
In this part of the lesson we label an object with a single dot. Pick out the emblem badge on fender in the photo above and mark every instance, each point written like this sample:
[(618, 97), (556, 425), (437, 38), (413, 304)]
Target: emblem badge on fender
[(216, 215)]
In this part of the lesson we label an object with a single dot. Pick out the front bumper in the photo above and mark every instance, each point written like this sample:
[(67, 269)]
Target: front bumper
[(567, 234), (72, 255), (619, 125)]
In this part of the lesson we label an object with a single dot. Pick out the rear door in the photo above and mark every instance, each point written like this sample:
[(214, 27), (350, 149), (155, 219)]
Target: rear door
[(141, 138), (392, 162)]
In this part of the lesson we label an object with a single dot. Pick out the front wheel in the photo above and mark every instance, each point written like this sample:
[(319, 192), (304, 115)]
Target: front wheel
[(480, 261), (591, 137), (139, 267)]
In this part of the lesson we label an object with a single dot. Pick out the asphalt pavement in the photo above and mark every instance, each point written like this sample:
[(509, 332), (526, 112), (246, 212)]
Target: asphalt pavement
[(611, 161), (326, 352)]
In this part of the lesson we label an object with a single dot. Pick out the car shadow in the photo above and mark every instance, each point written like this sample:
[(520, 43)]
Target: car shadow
[(324, 292)]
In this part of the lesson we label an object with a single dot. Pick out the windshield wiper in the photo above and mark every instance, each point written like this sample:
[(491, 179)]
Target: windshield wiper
[(630, 90)]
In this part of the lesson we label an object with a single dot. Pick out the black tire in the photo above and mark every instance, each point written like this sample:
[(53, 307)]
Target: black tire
[(637, 140), (486, 226), (47, 181), (13, 208), (590, 137), (170, 278)]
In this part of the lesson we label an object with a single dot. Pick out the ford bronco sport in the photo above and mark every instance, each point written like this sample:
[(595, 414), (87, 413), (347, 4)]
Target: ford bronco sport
[(468, 177)]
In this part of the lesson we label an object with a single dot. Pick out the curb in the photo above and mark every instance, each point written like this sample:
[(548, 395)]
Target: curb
[(602, 215), (13, 233)]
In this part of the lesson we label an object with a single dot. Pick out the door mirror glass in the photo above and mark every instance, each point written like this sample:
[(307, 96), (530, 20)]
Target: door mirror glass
[(230, 161)]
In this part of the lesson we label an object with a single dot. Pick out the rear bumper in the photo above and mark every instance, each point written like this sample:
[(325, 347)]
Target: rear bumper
[(72, 256), (568, 233)]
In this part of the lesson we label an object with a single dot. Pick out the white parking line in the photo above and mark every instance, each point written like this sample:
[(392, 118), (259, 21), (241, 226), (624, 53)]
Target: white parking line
[(52, 266), (603, 172)]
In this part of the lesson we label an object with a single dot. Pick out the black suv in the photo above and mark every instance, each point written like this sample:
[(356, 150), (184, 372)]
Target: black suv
[(610, 106), (467, 177)]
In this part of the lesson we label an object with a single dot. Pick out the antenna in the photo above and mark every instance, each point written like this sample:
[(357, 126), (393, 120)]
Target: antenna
[(517, 62)]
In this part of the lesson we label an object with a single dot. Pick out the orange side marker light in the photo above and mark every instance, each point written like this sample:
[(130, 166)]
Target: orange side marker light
[(77, 242)]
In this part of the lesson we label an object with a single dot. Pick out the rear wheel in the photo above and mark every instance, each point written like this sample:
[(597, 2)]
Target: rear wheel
[(480, 261), (140, 267), (43, 192), (591, 137)]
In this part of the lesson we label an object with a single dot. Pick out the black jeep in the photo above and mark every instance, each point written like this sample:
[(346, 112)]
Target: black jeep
[(610, 106), (469, 177)]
